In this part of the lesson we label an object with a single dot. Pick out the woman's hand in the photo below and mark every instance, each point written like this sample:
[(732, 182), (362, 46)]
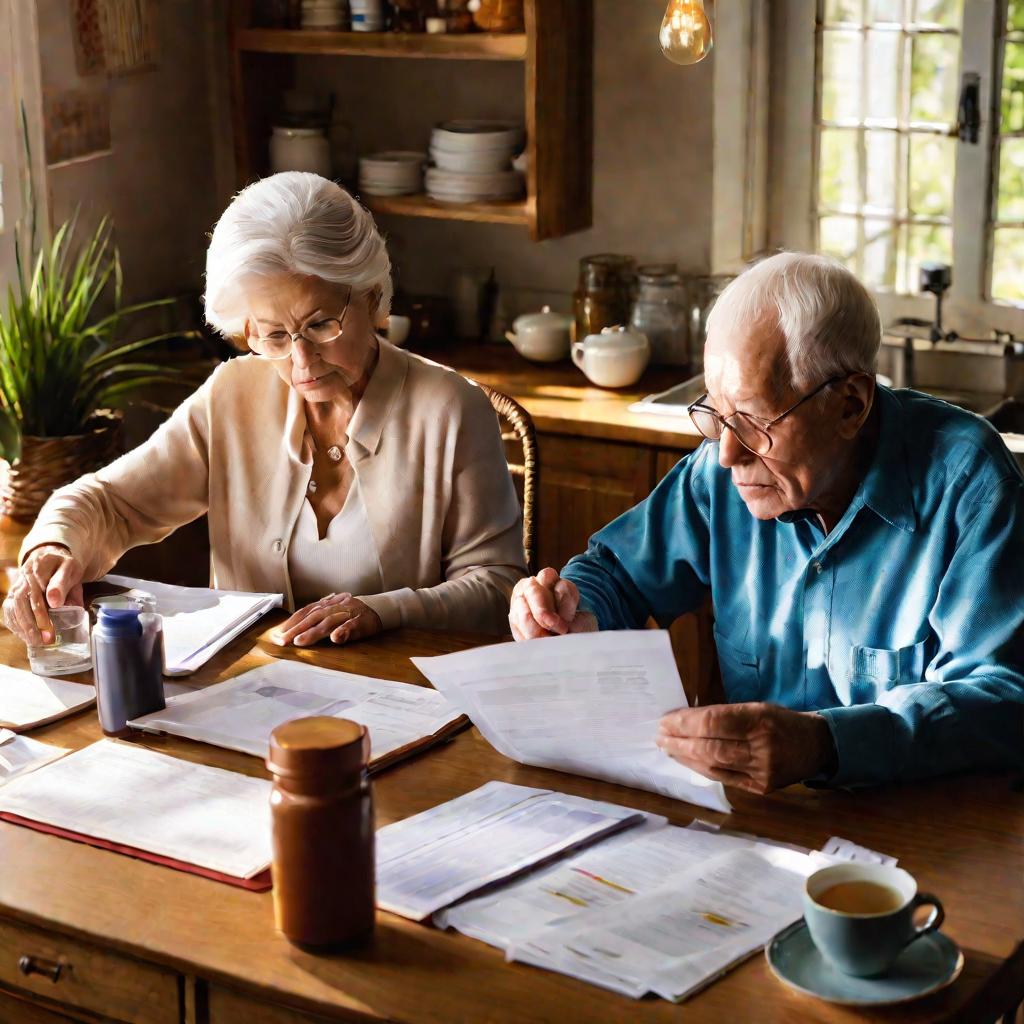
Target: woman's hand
[(547, 605), (341, 616), (49, 577)]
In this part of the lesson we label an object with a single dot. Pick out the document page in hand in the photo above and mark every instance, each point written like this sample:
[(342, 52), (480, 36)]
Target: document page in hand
[(432, 859), (198, 622), (586, 703), (28, 700), (19, 754), (241, 713), (126, 794), (683, 934)]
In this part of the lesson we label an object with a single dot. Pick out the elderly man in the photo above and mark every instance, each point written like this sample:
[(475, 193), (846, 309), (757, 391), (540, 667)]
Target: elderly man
[(863, 548)]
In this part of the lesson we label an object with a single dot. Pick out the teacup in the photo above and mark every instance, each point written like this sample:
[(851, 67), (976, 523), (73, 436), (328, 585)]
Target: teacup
[(861, 916)]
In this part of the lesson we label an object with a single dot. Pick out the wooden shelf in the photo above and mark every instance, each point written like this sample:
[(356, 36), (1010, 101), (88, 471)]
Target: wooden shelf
[(471, 46), (515, 212)]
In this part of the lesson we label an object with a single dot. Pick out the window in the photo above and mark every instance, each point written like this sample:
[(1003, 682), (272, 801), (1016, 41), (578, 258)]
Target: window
[(867, 162)]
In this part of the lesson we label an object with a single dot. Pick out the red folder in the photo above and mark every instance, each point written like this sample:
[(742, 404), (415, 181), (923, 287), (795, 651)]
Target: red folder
[(258, 883)]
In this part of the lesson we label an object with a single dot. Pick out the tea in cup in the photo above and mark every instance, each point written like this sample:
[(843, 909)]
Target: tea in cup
[(861, 916)]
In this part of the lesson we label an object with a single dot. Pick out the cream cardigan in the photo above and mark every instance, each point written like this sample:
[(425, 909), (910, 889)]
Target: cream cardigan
[(424, 443)]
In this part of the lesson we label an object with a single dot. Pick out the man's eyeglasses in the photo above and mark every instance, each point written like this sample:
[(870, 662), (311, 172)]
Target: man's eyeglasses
[(278, 344), (751, 431)]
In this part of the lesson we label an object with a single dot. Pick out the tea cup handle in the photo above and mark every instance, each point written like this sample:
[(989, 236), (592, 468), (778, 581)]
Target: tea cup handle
[(935, 918)]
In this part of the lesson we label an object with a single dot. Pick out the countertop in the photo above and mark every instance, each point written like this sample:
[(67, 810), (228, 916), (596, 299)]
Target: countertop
[(562, 401)]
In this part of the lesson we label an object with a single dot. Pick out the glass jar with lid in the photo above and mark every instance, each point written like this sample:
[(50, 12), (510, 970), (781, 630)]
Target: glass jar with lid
[(660, 311), (603, 294)]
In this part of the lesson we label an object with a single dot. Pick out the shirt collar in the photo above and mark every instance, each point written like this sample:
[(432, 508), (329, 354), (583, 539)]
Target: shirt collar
[(886, 488), (371, 413)]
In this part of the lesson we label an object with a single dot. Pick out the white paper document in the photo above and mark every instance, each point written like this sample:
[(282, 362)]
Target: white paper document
[(241, 713), (843, 849), (28, 700), (198, 622), (136, 797), (586, 703), (19, 754), (436, 857)]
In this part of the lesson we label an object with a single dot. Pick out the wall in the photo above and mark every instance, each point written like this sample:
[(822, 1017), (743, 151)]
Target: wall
[(159, 179), (652, 154)]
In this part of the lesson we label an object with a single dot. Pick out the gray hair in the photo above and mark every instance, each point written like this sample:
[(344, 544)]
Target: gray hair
[(829, 321), (294, 223)]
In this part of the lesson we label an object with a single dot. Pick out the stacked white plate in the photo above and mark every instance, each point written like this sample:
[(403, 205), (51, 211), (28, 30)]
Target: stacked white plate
[(473, 161), (392, 173), (324, 14), (367, 15)]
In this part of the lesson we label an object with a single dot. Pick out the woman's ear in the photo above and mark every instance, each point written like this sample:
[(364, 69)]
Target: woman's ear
[(378, 318)]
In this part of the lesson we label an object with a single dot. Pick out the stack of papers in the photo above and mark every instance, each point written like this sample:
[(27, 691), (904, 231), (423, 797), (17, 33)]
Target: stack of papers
[(586, 703), (241, 713), (430, 860), (198, 622), (194, 814), (28, 700), (19, 755)]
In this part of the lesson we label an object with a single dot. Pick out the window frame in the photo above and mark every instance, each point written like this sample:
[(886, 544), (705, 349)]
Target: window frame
[(794, 166)]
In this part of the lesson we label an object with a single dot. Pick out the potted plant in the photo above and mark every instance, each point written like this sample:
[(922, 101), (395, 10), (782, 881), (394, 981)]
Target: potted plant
[(63, 365)]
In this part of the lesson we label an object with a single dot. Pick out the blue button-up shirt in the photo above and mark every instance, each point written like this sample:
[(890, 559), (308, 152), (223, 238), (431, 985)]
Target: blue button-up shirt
[(903, 626)]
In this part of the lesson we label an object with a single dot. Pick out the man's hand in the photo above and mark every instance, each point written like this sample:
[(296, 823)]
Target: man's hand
[(547, 605), (49, 577), (754, 746), (341, 616)]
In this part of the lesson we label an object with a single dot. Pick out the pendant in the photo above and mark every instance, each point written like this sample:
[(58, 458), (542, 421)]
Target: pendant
[(334, 453), (311, 487)]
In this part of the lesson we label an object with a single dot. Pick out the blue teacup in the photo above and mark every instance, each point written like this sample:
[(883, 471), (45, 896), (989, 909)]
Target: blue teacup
[(861, 916)]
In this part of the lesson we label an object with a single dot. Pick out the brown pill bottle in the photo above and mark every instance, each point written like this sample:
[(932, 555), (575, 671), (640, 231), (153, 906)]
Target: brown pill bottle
[(323, 839)]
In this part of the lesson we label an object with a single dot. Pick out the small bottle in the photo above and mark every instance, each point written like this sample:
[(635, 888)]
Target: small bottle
[(128, 662), (323, 839)]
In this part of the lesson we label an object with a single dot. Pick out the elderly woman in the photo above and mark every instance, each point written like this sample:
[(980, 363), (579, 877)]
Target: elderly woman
[(366, 484)]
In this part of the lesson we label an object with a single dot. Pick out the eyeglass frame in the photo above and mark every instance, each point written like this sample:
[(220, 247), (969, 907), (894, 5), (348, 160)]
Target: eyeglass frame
[(293, 335), (761, 424)]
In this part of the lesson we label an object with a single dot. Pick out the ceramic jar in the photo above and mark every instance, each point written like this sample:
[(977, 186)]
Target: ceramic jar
[(300, 149), (615, 358)]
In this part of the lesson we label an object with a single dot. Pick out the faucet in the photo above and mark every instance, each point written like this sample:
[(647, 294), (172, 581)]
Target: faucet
[(936, 279)]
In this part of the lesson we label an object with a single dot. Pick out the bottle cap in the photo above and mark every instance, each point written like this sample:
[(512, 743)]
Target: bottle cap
[(318, 745), (119, 622)]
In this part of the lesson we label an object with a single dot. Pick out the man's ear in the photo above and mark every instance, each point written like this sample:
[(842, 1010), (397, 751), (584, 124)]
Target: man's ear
[(858, 396)]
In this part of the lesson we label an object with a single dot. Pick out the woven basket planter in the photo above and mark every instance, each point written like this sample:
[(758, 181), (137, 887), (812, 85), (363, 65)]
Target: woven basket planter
[(47, 463)]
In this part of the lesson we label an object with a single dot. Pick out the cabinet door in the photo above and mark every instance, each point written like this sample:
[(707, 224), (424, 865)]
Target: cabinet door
[(584, 485)]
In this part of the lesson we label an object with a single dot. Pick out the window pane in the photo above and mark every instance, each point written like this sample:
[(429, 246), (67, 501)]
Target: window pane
[(925, 242), (1011, 180), (843, 10), (932, 168), (1015, 18), (837, 236), (1013, 88), (948, 13), (1008, 265), (840, 92), (879, 255), (883, 75), (934, 71), (881, 181), (891, 11), (838, 181)]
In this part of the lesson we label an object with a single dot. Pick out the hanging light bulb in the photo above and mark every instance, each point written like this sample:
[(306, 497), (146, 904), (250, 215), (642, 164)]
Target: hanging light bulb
[(685, 34)]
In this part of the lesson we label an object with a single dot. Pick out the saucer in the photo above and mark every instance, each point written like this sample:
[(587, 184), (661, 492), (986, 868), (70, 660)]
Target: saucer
[(925, 966)]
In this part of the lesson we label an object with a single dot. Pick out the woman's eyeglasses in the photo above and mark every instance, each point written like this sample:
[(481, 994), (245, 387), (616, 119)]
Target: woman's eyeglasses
[(278, 344), (751, 431)]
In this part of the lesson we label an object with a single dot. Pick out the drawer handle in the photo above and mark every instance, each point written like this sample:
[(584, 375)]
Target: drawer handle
[(37, 965)]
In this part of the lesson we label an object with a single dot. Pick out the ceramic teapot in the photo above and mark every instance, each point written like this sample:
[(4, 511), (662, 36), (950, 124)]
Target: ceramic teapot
[(543, 336), (615, 358)]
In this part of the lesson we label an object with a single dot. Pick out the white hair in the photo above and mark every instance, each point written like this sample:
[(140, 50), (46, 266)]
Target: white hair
[(829, 321), (295, 223)]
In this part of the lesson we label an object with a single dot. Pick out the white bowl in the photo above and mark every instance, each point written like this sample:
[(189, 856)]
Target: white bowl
[(473, 135), (474, 162)]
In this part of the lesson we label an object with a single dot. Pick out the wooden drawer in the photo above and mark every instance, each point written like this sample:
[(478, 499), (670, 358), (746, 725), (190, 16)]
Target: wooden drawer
[(227, 1006), (115, 987)]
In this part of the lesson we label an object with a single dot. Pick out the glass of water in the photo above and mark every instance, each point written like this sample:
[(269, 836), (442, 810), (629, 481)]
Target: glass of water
[(69, 653)]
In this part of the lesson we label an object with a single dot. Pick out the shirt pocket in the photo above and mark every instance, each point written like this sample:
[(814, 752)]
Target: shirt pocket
[(740, 668), (874, 669)]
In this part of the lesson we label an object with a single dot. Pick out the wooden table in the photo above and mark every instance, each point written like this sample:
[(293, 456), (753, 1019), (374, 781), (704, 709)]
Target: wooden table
[(144, 943)]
